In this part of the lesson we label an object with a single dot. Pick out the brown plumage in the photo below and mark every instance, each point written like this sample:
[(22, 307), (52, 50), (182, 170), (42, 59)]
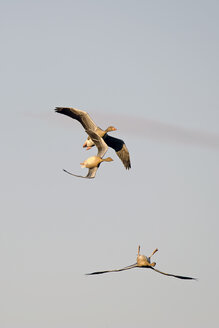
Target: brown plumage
[(101, 133), (83, 117)]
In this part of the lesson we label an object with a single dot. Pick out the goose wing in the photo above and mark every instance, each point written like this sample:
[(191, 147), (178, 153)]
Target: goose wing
[(173, 275), (79, 115), (123, 154), (116, 270), (99, 142), (120, 148), (91, 173)]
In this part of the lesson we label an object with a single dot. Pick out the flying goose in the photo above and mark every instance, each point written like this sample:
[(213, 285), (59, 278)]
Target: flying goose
[(143, 262), (93, 162), (84, 118)]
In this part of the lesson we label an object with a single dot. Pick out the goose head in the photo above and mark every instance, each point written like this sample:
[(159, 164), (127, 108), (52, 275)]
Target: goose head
[(110, 128)]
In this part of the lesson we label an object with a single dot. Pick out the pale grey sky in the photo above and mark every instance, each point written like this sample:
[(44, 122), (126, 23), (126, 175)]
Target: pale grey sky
[(151, 69)]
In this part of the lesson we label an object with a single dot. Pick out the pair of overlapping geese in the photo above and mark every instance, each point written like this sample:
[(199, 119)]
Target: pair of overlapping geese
[(100, 138)]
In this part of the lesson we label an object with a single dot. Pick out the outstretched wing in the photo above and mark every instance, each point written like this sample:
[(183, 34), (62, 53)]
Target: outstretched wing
[(120, 148), (79, 115), (99, 143), (173, 275), (91, 173), (116, 270)]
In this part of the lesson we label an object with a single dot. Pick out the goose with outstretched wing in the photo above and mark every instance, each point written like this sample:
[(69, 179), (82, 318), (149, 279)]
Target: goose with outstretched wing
[(143, 262), (84, 118), (93, 162)]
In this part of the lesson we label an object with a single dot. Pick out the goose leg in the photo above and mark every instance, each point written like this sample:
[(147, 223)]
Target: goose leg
[(153, 252), (138, 250)]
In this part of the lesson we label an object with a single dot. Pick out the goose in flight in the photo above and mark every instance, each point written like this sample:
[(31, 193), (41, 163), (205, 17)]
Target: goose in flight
[(93, 162), (83, 117), (143, 262)]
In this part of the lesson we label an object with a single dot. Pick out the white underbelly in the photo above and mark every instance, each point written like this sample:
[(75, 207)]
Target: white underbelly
[(91, 162)]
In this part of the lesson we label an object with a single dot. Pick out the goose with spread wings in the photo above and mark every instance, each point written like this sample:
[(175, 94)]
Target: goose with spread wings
[(93, 162), (84, 118), (143, 262)]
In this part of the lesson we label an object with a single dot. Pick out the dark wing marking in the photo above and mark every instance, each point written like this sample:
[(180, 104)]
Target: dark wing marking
[(91, 173), (120, 148), (78, 115), (116, 270), (173, 275), (99, 143)]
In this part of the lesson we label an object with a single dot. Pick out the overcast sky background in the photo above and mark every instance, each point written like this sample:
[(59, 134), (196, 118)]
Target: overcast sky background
[(151, 69)]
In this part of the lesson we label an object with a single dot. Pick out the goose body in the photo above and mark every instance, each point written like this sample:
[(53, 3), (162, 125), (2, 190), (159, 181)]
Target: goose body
[(143, 262), (84, 118), (91, 162)]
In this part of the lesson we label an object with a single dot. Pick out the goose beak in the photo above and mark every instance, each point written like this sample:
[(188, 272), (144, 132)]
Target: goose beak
[(85, 144), (88, 148)]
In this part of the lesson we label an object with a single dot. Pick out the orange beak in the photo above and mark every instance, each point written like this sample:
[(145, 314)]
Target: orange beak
[(85, 144)]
